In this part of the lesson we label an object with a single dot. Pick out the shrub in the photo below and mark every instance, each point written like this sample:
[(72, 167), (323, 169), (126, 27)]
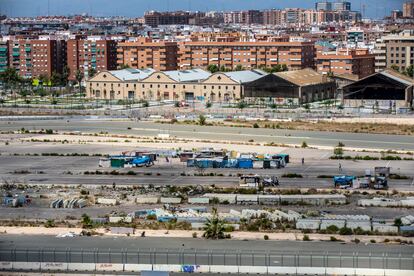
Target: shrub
[(345, 231), (304, 144), (151, 217), (194, 235), (292, 175), (332, 229), (255, 125), (266, 237), (372, 241), (306, 238), (356, 241), (333, 239)]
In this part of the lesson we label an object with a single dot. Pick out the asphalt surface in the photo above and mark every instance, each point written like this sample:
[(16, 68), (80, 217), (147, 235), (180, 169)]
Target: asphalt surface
[(200, 251), (53, 170), (359, 140)]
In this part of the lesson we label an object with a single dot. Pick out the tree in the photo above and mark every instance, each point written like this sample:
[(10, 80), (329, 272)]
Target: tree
[(79, 77), (124, 66), (214, 227), (212, 68), (56, 78), (65, 75), (395, 68), (86, 221), (338, 152), (238, 67), (208, 104), (10, 77), (409, 71), (202, 120), (397, 222), (91, 72), (241, 105)]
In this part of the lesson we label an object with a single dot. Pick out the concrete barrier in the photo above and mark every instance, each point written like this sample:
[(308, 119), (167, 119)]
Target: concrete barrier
[(54, 266), (202, 269), (137, 267), (311, 270), (109, 267), (6, 265), (165, 267), (224, 269), (253, 269), (285, 270), (81, 266), (369, 272), (340, 271), (26, 266), (396, 272)]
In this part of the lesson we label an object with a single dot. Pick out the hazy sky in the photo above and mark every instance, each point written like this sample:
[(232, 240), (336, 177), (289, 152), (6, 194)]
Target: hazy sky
[(136, 8)]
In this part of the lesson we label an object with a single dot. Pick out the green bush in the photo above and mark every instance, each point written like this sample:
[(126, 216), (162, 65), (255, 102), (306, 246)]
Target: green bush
[(306, 238), (266, 237), (345, 231)]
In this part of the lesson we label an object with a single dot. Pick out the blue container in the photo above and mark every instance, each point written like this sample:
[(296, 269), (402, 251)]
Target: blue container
[(244, 163)]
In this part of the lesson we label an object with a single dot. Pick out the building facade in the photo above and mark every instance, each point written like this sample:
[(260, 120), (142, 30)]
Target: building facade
[(86, 54), (248, 55), (400, 50), (357, 62), (4, 55), (33, 58), (295, 87), (145, 53)]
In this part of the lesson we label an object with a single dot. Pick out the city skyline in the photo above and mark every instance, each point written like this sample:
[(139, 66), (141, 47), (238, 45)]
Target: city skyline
[(16, 8)]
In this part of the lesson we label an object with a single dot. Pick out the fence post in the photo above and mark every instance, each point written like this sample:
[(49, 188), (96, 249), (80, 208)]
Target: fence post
[(399, 261), (224, 257), (369, 259), (311, 263)]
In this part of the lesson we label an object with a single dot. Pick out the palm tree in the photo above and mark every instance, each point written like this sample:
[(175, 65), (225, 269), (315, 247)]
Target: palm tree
[(214, 227), (79, 77)]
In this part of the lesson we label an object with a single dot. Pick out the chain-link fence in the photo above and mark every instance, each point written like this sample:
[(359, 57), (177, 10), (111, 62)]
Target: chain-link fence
[(376, 260)]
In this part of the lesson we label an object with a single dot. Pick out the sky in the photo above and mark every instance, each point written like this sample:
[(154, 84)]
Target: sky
[(136, 8)]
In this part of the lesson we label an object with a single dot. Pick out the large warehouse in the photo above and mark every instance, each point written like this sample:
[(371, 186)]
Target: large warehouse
[(387, 89), (196, 84)]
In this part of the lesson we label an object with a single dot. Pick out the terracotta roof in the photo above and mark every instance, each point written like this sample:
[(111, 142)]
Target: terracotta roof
[(302, 77)]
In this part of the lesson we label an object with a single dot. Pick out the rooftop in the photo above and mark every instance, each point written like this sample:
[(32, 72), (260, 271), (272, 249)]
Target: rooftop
[(302, 77), (246, 76), (132, 74), (191, 75)]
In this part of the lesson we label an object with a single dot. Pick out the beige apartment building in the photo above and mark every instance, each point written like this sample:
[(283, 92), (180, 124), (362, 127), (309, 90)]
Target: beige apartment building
[(249, 55), (394, 51)]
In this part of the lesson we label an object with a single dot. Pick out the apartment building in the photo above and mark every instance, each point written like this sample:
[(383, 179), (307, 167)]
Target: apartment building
[(154, 18), (244, 17), (296, 55), (400, 50), (273, 17), (380, 53), (91, 53), (146, 53), (408, 9), (357, 62), (4, 55), (35, 58)]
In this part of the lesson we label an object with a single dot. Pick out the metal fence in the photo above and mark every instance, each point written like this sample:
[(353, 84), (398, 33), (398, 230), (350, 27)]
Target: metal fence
[(213, 257)]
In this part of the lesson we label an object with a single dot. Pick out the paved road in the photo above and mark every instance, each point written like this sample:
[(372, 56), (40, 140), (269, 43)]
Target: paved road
[(378, 141), (198, 251)]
